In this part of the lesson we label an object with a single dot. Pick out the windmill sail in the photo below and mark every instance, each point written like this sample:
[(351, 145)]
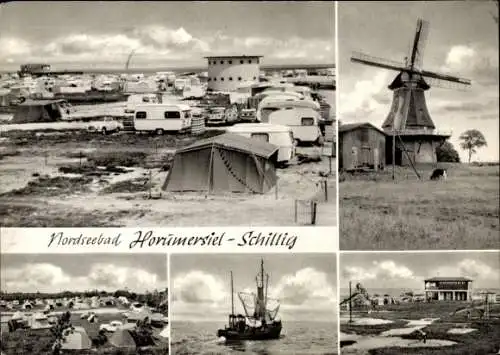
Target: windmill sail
[(417, 53)]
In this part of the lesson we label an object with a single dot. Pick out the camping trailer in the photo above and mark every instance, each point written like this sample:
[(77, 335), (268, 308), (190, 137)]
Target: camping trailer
[(281, 136), (160, 118), (303, 122)]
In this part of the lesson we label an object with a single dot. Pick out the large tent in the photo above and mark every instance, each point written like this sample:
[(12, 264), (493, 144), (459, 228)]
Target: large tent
[(33, 111), (224, 163), (78, 339), (123, 339)]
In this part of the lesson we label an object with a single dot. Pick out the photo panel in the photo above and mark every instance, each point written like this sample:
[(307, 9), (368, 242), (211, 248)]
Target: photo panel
[(418, 125), (168, 114), (84, 304), (419, 302), (274, 303)]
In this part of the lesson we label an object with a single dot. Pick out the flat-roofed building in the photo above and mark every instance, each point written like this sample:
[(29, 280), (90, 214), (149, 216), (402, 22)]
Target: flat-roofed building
[(227, 73), (448, 289)]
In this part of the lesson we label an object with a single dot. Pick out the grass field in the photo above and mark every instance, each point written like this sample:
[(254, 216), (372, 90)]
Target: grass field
[(485, 340), (48, 180), (462, 212), (39, 342)]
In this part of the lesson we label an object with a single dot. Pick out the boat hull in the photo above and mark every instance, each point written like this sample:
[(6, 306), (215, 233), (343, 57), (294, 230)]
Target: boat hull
[(268, 333)]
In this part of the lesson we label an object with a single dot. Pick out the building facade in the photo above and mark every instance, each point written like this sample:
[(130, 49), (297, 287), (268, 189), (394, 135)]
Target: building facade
[(226, 73), (448, 289)]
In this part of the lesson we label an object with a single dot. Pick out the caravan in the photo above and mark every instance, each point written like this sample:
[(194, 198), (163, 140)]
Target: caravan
[(281, 136), (160, 118), (303, 122)]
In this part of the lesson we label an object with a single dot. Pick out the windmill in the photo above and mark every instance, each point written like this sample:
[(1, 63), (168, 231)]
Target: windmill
[(414, 135)]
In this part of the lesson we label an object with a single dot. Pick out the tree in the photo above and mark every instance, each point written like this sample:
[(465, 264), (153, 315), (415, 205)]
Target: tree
[(471, 140), (446, 153)]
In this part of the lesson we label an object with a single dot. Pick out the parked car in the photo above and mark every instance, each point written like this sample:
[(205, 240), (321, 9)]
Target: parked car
[(104, 125), (111, 326)]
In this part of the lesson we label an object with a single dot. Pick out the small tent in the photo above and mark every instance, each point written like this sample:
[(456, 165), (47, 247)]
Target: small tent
[(224, 163), (33, 111), (122, 338)]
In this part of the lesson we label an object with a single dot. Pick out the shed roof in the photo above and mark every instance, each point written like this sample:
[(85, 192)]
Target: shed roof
[(460, 278), (237, 142), (352, 126)]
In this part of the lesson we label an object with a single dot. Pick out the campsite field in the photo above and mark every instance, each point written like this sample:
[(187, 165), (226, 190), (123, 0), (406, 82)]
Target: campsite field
[(484, 340), (459, 213), (39, 342), (78, 179)]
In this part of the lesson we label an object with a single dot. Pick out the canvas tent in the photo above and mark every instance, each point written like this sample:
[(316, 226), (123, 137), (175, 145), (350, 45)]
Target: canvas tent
[(122, 339), (33, 111), (77, 340), (224, 163)]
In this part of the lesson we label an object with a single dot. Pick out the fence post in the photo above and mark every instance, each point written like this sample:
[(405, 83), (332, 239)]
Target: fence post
[(313, 212), (295, 214), (326, 189)]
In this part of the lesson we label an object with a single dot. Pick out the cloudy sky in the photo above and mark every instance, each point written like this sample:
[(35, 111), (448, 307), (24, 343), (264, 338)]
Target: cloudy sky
[(462, 40), (408, 270), (80, 272), (100, 33), (304, 284)]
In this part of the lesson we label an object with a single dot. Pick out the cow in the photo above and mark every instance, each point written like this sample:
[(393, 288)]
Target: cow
[(438, 174)]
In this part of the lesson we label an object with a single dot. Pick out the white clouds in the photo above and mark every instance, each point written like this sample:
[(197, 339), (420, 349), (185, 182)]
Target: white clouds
[(368, 96), (198, 287), (306, 286), (158, 42), (14, 47), (200, 295), (458, 56), (46, 277), (381, 270), (471, 268), (391, 274)]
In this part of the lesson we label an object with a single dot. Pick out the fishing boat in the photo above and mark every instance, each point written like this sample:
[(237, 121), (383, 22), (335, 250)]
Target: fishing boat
[(262, 323)]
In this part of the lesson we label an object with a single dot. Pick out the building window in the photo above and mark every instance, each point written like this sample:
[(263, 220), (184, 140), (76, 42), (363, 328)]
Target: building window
[(221, 62), (239, 78), (209, 79), (249, 61), (241, 61), (215, 79), (222, 79), (230, 78), (254, 78), (230, 61), (140, 115)]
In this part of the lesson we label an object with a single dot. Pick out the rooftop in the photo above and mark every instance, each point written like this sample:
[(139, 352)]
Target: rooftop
[(448, 279), (233, 56), (352, 126)]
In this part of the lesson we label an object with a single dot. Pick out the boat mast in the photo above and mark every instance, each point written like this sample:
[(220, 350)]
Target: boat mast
[(350, 303), (232, 295)]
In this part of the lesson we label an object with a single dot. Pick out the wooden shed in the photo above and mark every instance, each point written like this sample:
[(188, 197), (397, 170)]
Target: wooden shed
[(361, 146)]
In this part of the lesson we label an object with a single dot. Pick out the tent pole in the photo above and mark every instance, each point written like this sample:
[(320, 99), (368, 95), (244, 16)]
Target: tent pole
[(210, 171)]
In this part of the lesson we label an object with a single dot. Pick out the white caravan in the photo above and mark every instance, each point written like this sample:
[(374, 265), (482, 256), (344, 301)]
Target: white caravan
[(281, 136), (277, 103), (303, 122), (160, 118)]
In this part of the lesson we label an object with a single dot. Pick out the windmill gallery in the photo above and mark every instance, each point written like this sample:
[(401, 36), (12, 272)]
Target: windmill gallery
[(409, 135)]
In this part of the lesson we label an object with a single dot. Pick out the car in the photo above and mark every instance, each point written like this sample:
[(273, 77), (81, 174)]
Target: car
[(86, 315), (104, 125), (112, 326)]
